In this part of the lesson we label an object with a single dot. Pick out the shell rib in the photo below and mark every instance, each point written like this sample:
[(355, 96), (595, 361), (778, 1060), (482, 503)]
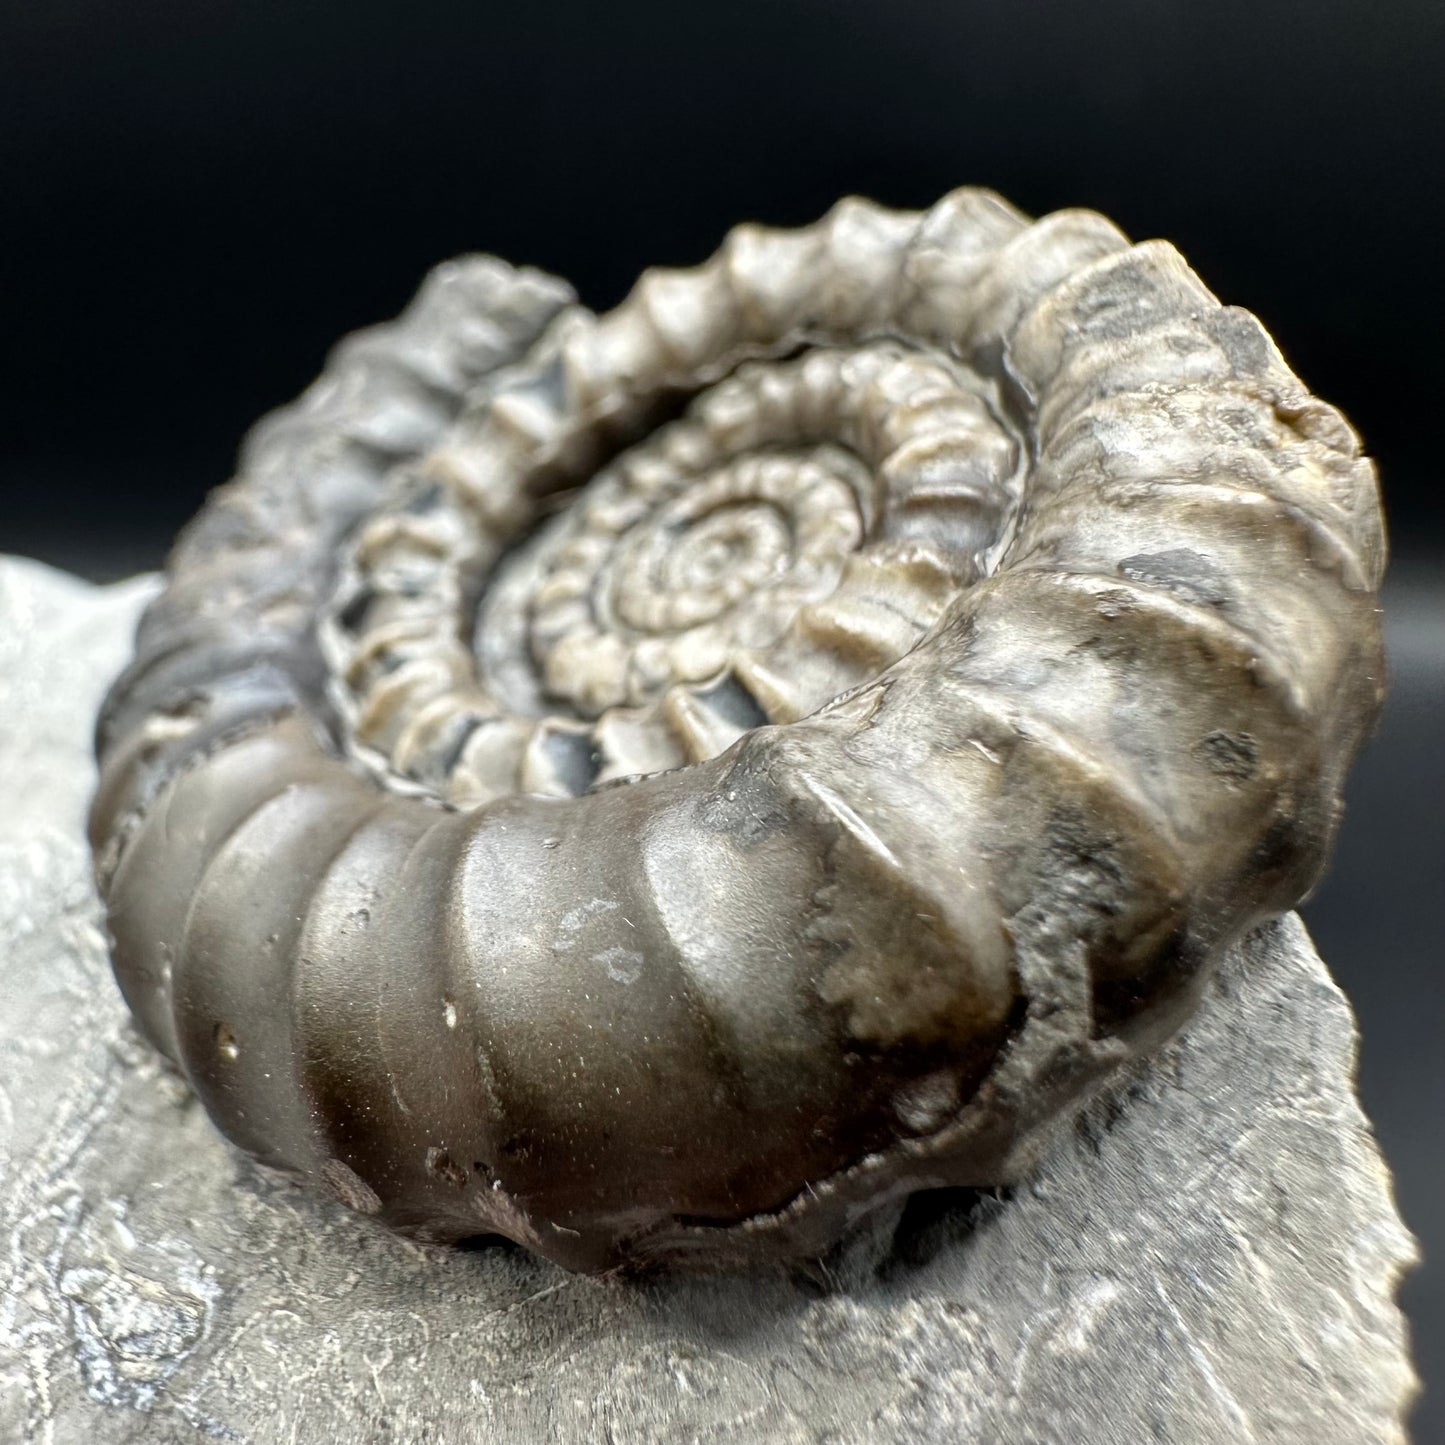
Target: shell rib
[(659, 786)]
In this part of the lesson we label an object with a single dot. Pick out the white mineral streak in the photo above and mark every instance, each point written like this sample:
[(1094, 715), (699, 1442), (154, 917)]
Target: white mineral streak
[(1210, 1254)]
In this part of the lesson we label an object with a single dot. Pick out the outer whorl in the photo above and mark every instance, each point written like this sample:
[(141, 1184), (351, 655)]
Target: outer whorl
[(659, 785)]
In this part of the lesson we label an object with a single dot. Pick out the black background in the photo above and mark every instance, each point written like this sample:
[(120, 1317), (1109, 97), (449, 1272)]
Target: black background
[(199, 197)]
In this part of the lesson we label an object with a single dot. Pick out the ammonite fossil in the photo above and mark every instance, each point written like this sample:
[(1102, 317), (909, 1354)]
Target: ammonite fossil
[(659, 786)]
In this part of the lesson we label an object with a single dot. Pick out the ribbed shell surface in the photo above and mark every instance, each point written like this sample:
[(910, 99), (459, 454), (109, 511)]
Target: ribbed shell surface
[(661, 785)]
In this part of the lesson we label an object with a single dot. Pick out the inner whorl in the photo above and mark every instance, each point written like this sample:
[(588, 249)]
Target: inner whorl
[(802, 526)]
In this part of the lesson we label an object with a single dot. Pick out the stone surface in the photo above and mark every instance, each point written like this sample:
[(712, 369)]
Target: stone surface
[(1209, 1254)]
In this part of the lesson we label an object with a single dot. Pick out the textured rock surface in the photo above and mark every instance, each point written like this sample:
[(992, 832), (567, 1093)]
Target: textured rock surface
[(1209, 1255)]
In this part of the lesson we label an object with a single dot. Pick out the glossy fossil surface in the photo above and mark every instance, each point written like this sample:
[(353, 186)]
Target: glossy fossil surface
[(659, 785)]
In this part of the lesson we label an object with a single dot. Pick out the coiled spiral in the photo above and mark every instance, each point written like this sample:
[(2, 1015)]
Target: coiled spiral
[(661, 785)]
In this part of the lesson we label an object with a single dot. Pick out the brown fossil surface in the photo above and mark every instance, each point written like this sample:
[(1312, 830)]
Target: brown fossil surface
[(661, 785)]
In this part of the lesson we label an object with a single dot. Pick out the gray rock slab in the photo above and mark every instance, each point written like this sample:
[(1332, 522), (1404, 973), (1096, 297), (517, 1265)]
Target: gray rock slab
[(1209, 1254)]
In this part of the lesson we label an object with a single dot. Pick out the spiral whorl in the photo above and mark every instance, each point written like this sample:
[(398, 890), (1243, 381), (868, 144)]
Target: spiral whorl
[(794, 533), (659, 785)]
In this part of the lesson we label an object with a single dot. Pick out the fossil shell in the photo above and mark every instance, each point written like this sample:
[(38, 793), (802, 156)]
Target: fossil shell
[(658, 786)]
